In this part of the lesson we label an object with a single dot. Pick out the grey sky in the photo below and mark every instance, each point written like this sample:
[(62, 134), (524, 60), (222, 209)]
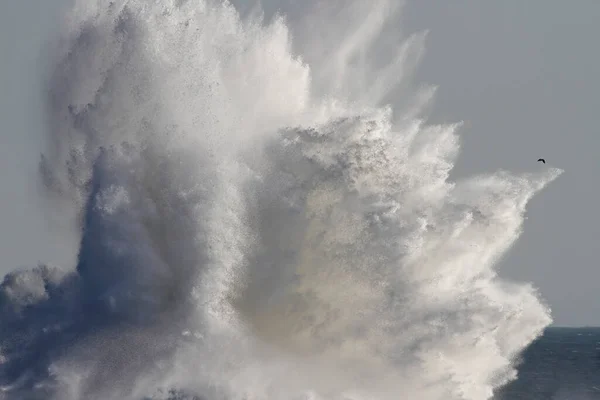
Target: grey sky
[(24, 236), (523, 74)]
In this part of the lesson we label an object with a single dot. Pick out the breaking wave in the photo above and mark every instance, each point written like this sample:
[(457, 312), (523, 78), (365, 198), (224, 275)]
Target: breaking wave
[(258, 220)]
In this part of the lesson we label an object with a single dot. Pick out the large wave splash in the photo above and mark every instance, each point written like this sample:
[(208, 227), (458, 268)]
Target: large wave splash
[(256, 222)]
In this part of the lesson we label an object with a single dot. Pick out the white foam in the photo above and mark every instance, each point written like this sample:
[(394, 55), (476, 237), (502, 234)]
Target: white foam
[(255, 192)]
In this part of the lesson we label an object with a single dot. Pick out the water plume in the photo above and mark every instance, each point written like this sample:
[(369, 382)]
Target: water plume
[(258, 219)]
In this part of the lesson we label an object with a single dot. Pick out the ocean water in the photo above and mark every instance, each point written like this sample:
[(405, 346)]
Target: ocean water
[(262, 211), (564, 363)]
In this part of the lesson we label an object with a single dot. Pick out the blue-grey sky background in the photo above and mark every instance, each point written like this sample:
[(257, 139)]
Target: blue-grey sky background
[(25, 238), (524, 75)]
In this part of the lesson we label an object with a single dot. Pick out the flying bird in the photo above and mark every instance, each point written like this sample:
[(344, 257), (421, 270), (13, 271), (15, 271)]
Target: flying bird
[(542, 160)]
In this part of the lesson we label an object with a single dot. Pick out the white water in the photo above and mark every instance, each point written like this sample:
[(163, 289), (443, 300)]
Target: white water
[(257, 222)]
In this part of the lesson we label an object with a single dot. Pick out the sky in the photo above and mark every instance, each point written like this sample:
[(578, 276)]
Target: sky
[(25, 238), (523, 76)]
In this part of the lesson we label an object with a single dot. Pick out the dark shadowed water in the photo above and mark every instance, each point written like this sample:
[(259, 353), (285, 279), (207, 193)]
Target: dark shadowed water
[(563, 364)]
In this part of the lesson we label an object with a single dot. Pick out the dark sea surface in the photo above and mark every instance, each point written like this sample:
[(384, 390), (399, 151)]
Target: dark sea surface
[(563, 364)]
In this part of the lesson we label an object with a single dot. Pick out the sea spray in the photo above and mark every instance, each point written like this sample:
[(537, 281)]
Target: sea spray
[(259, 220)]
